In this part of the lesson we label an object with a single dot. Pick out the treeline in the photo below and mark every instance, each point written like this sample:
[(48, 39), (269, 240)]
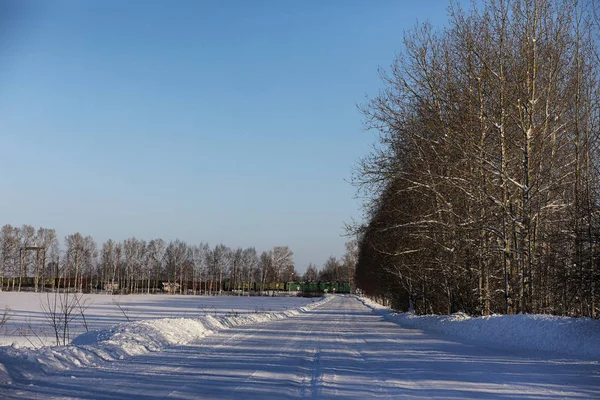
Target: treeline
[(30, 257), (483, 186)]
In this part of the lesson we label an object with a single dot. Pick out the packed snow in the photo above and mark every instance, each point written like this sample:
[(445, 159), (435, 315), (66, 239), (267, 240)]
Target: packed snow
[(340, 347)]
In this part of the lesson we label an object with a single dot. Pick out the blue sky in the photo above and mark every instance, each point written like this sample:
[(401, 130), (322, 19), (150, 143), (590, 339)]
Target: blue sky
[(221, 121)]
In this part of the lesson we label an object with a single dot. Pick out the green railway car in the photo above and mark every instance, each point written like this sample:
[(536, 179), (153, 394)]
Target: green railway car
[(318, 288)]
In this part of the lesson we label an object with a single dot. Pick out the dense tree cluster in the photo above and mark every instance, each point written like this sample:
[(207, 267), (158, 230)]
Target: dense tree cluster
[(483, 187), (137, 266)]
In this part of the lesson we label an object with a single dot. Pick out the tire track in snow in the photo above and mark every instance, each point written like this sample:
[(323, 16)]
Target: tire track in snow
[(316, 379), (357, 348), (242, 337), (309, 370), (207, 348)]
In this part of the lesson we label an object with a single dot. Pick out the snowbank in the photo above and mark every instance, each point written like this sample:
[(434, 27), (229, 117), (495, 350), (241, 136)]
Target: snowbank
[(123, 340), (575, 337), (29, 327)]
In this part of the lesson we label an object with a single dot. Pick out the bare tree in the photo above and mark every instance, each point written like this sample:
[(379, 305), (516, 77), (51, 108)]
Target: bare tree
[(220, 258), (283, 264), (142, 267), (130, 248), (332, 270), (176, 256), (47, 240), (9, 255), (73, 260), (156, 254), (267, 273), (349, 261), (27, 238), (60, 309), (250, 268), (235, 272), (108, 265), (89, 261), (311, 274)]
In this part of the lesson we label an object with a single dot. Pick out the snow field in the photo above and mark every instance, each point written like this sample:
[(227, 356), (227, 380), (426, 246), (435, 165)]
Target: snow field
[(140, 337), (341, 349), (29, 327), (571, 337)]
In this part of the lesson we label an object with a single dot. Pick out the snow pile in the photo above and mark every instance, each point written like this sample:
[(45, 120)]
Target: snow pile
[(123, 340), (576, 337), (28, 326)]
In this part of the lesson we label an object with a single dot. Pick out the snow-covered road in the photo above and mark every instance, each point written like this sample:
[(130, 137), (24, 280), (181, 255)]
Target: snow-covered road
[(339, 349)]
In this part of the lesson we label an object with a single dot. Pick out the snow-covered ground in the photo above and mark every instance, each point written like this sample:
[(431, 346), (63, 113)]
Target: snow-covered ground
[(339, 348), (577, 337), (28, 326)]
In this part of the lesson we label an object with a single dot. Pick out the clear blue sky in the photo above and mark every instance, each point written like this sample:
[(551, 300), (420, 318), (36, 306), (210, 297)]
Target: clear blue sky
[(220, 121)]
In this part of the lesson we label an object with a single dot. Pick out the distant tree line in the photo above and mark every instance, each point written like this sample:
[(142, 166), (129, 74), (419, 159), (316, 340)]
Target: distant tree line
[(137, 266), (482, 191), (336, 270)]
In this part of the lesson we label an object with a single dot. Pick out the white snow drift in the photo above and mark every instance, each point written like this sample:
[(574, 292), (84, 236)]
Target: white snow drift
[(126, 339), (576, 337)]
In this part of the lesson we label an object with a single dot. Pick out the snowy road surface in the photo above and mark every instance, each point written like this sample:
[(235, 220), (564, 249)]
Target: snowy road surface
[(340, 349)]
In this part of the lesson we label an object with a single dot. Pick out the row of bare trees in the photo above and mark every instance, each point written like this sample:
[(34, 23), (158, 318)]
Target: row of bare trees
[(483, 187), (336, 270), (133, 265)]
